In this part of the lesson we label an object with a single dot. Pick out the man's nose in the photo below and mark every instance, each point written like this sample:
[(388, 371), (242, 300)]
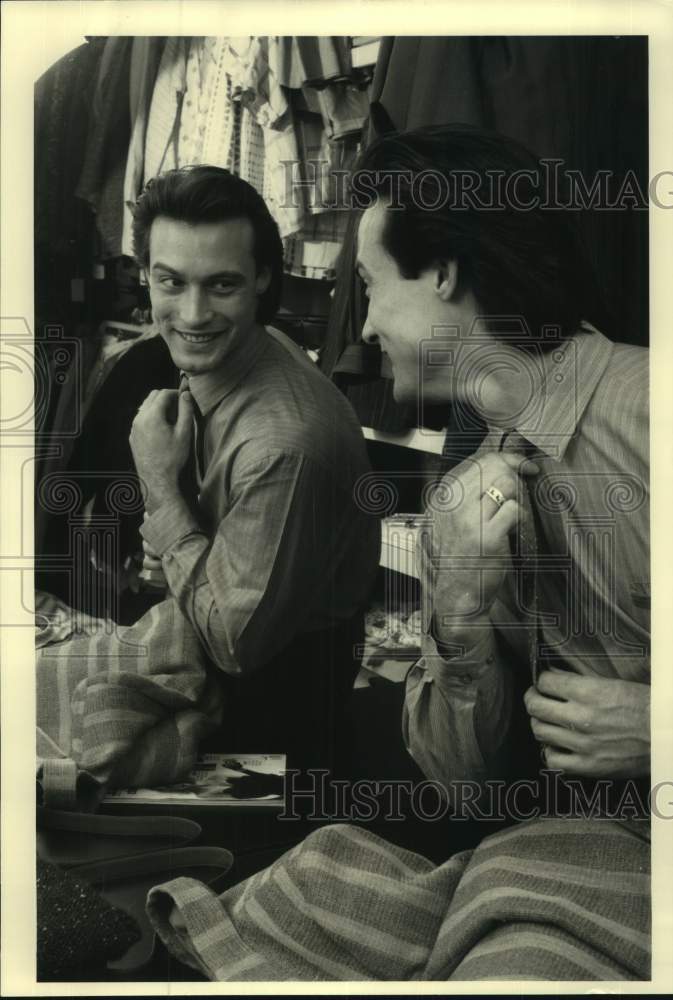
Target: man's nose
[(195, 308), (369, 334)]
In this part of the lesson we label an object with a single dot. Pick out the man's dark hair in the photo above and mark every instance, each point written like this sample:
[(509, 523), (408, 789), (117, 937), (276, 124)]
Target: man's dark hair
[(517, 262), (206, 194)]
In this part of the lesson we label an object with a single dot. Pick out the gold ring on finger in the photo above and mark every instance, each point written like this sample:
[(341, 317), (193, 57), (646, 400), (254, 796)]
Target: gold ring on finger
[(495, 495)]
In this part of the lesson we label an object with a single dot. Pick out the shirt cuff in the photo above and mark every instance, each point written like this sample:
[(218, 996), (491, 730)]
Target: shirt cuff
[(464, 668), (167, 525)]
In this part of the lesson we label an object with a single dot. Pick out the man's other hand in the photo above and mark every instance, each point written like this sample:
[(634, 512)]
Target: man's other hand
[(161, 445), (596, 727)]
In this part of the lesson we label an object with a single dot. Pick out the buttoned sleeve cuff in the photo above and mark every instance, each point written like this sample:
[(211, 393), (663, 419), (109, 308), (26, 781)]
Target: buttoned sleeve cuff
[(462, 669), (167, 525)]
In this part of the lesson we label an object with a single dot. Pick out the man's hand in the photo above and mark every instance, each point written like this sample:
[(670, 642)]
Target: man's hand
[(151, 560), (152, 568), (597, 727), (160, 446), (475, 532)]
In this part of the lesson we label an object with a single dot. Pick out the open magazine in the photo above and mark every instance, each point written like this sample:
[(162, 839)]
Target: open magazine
[(217, 779)]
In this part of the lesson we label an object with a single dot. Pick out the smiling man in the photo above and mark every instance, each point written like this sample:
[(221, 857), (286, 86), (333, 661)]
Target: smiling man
[(485, 307), (271, 561), (459, 304)]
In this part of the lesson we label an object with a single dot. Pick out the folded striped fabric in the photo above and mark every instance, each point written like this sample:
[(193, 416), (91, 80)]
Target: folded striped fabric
[(549, 899), (121, 706)]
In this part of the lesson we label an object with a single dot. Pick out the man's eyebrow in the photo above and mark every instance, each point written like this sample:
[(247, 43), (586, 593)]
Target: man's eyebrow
[(218, 275)]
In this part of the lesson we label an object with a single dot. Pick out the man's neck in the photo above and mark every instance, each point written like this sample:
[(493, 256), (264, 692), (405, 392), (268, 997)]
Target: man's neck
[(502, 381)]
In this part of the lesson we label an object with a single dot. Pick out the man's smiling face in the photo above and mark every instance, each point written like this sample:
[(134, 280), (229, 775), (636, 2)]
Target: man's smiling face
[(411, 319), (402, 313), (204, 289)]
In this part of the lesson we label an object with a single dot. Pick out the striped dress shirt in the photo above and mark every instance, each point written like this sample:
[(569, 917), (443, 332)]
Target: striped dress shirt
[(589, 427), (275, 545)]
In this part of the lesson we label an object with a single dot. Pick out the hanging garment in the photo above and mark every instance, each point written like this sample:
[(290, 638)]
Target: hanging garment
[(427, 81), (349, 306), (101, 182), (318, 158), (324, 166), (277, 141), (163, 124), (344, 109), (251, 149), (217, 100), (63, 224), (305, 258), (199, 85), (207, 124), (62, 106), (145, 58), (315, 60), (220, 100), (256, 84)]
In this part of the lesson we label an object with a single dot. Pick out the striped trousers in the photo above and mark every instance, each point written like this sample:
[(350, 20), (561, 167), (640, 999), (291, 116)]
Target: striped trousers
[(550, 899)]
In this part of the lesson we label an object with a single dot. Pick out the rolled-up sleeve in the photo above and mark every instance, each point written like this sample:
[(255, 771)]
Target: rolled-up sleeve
[(456, 712), (458, 702)]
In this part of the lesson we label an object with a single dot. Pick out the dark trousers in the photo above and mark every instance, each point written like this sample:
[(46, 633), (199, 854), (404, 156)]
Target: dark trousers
[(298, 703)]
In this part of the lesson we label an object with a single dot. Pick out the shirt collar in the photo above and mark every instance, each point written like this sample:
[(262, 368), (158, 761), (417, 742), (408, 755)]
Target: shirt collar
[(210, 388), (571, 373)]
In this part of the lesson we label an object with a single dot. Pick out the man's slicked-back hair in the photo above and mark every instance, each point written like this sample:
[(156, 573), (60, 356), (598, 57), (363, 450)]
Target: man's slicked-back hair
[(517, 261), (206, 194)]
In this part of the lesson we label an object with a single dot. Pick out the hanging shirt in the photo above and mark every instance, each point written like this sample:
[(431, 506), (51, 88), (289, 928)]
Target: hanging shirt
[(590, 431), (145, 58), (161, 139), (277, 545), (257, 84)]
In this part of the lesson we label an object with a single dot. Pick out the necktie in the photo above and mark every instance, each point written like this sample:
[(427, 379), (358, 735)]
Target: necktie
[(525, 548), (192, 474)]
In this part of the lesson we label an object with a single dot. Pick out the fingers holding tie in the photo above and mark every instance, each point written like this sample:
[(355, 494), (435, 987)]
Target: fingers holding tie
[(499, 508)]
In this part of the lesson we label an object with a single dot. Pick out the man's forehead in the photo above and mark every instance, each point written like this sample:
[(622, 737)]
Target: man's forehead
[(228, 236), (370, 231)]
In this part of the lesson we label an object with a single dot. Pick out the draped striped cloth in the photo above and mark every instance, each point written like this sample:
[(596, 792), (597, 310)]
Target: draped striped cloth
[(118, 706), (548, 899)]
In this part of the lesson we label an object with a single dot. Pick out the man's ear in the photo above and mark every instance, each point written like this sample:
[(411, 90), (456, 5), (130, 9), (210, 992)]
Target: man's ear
[(446, 279), (263, 281)]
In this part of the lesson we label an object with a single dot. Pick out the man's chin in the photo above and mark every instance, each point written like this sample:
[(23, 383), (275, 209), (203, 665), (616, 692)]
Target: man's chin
[(193, 361), (404, 393)]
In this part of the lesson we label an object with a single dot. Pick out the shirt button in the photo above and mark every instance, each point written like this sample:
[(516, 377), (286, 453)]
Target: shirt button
[(465, 678)]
